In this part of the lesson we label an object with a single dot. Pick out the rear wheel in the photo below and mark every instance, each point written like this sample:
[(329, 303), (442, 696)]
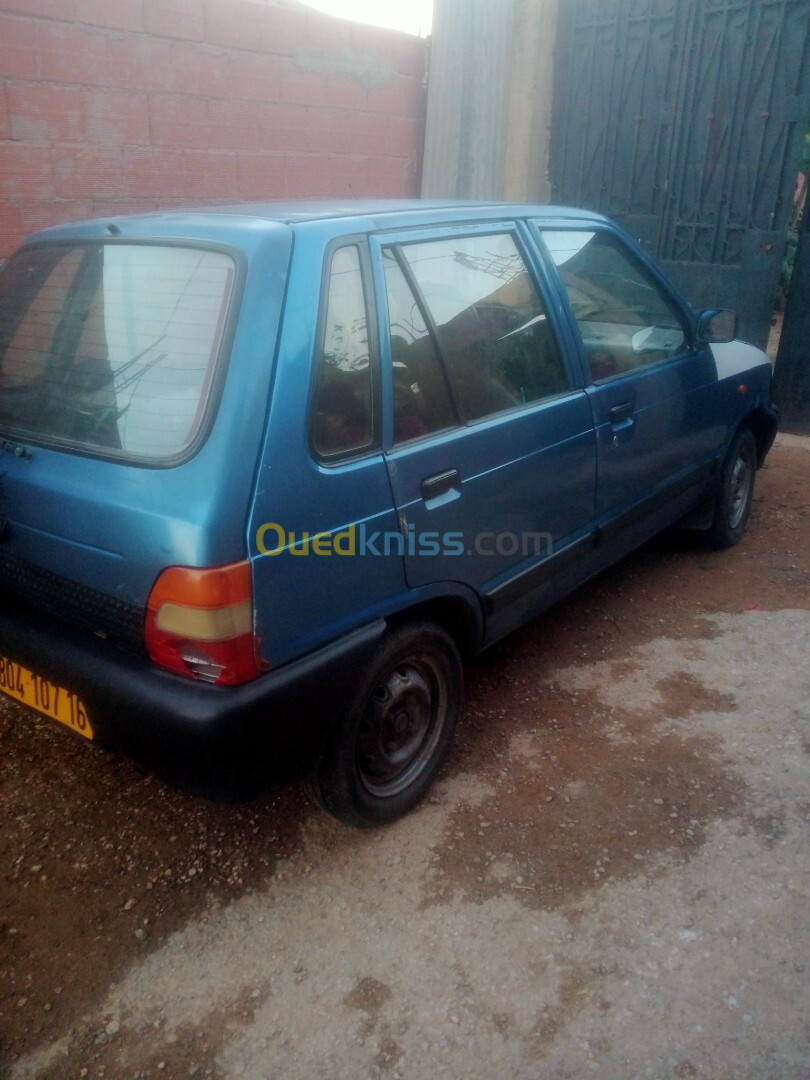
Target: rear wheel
[(390, 745), (733, 505)]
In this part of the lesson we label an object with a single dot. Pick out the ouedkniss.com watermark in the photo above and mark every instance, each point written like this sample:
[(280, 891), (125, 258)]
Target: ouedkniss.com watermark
[(273, 539)]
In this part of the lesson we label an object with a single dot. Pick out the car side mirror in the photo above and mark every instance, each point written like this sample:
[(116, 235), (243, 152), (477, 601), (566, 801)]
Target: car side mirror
[(716, 325)]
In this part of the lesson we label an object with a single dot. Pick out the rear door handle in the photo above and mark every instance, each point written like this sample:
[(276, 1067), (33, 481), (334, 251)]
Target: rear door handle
[(433, 486), (620, 413)]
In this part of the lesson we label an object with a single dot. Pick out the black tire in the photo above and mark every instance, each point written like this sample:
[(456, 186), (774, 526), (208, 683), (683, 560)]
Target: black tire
[(733, 505), (387, 749)]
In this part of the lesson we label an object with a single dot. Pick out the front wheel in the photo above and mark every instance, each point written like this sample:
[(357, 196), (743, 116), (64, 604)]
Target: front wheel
[(733, 505), (388, 748)]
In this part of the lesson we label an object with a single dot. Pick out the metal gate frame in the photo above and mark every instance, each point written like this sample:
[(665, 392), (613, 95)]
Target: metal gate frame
[(684, 120)]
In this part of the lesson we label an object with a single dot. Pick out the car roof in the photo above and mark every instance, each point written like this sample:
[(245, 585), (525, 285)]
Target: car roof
[(290, 212), (270, 216)]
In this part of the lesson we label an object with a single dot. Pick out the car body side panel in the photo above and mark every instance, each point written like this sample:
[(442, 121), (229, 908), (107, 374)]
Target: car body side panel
[(667, 430), (304, 598)]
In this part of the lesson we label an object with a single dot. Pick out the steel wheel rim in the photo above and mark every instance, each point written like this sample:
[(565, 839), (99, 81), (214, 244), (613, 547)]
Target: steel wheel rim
[(739, 489), (401, 726)]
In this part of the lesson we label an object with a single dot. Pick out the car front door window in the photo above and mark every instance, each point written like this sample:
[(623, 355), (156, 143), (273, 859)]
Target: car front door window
[(625, 319)]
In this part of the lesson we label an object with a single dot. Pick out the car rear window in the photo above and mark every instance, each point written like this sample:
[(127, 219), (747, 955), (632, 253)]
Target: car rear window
[(112, 348)]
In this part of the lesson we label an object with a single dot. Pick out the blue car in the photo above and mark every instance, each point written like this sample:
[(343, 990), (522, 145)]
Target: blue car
[(269, 472)]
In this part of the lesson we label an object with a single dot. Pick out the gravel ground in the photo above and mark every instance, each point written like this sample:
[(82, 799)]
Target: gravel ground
[(611, 879)]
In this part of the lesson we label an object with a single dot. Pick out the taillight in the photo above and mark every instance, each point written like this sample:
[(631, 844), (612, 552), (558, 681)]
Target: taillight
[(199, 623)]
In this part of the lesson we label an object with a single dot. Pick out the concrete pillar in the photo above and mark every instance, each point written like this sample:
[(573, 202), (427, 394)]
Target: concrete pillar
[(489, 100)]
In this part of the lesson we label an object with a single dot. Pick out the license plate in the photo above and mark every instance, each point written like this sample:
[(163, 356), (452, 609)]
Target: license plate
[(54, 701)]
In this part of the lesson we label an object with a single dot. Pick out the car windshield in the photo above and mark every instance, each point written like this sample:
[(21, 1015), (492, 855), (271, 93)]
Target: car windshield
[(111, 347)]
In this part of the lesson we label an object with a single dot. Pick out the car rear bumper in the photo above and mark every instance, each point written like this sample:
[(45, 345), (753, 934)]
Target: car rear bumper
[(220, 742)]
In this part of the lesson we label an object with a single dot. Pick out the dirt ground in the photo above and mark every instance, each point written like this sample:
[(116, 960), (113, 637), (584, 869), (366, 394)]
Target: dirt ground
[(612, 877)]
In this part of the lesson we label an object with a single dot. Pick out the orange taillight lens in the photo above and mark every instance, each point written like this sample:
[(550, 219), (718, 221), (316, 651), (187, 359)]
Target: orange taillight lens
[(199, 623)]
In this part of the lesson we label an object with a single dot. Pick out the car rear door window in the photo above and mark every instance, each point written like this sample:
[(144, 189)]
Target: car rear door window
[(422, 401), (488, 321), (624, 316)]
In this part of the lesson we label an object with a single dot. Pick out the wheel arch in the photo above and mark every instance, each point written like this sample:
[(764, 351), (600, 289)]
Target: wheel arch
[(763, 423), (457, 614)]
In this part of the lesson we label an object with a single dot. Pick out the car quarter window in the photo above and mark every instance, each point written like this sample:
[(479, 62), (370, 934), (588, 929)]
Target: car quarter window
[(625, 318), (343, 404), (485, 321)]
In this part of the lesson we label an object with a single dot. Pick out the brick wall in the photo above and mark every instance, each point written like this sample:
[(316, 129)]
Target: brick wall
[(113, 106)]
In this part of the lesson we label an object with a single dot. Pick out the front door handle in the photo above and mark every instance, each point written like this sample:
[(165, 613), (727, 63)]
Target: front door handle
[(620, 413), (433, 486)]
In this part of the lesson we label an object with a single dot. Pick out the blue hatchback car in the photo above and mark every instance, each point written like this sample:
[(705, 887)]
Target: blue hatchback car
[(270, 471)]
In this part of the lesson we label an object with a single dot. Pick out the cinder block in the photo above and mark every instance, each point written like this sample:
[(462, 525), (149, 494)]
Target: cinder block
[(154, 173), (303, 88), (369, 133), (48, 9), (390, 171), (42, 112), (115, 117), (255, 27), (345, 92), (394, 99), (237, 125), (115, 207), (349, 174), (328, 33), (184, 19), (5, 126), (85, 173), (288, 29), (405, 135), (307, 176), (18, 58), (116, 14), (330, 131), (53, 212), (255, 77), (288, 127), (210, 176), (228, 25), (374, 39), (201, 71), (71, 54), (10, 229), (261, 176), (141, 63), (178, 120)]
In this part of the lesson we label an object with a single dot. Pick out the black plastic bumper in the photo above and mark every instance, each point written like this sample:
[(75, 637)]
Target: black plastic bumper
[(221, 742)]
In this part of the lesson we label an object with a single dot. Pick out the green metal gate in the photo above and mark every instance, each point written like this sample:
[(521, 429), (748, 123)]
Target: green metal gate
[(684, 120)]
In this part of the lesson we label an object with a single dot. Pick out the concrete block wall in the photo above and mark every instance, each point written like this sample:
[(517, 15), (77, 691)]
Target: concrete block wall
[(114, 106)]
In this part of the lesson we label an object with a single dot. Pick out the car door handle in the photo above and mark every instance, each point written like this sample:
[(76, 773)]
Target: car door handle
[(442, 482), (622, 412)]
